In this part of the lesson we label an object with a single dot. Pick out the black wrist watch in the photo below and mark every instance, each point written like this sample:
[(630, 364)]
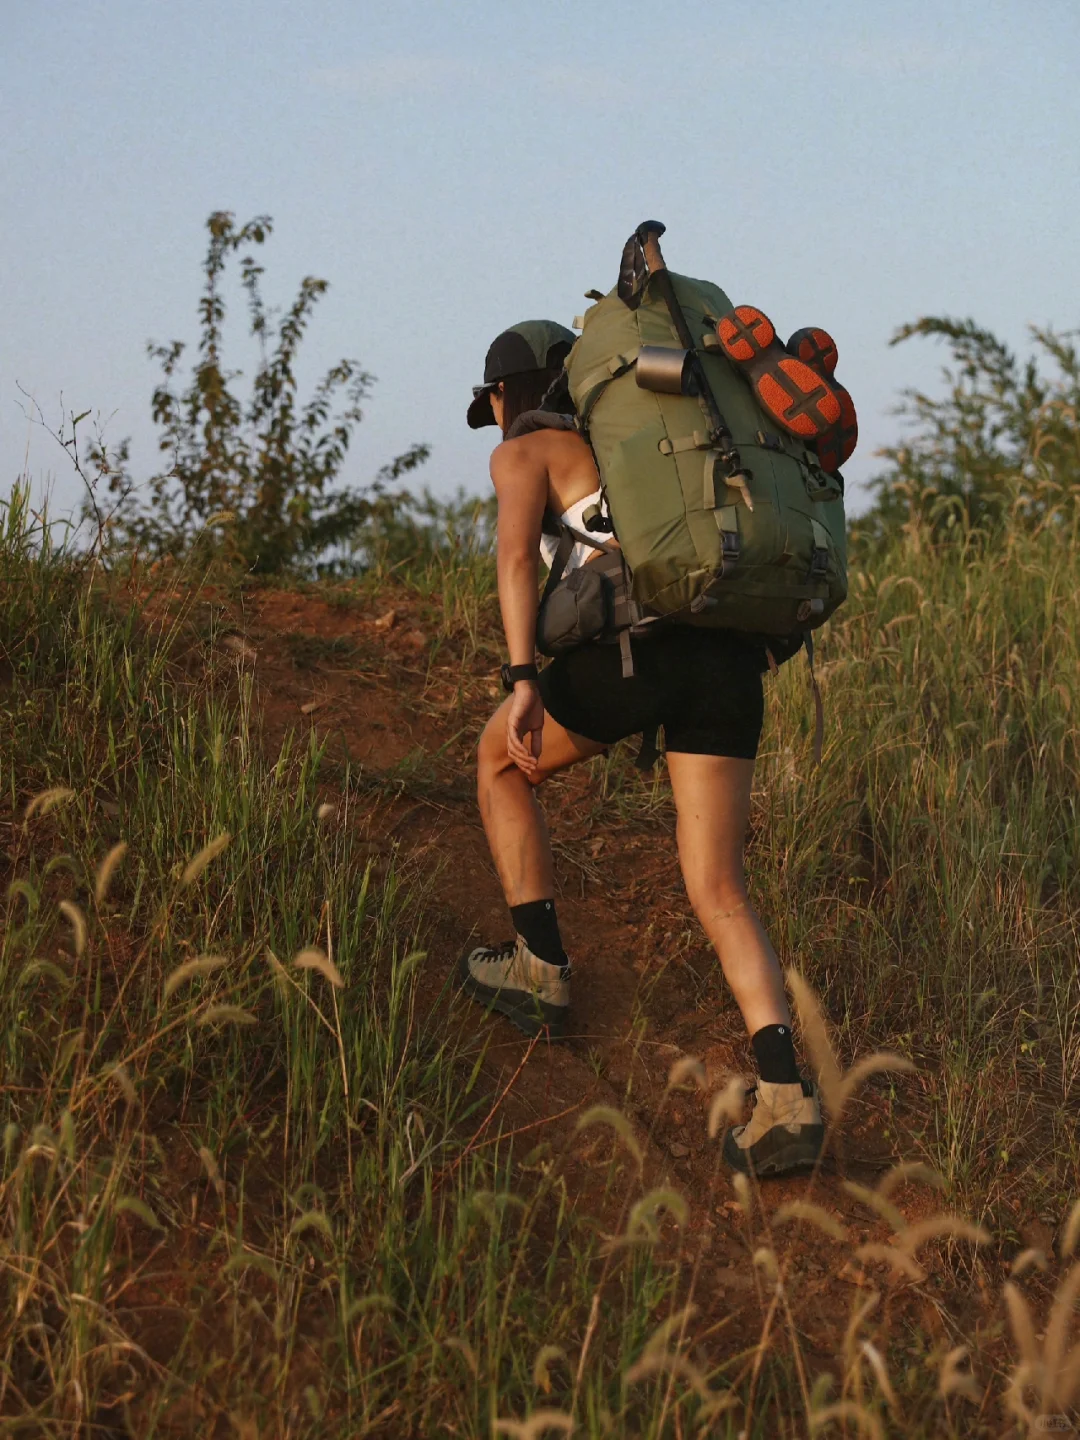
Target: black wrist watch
[(511, 674)]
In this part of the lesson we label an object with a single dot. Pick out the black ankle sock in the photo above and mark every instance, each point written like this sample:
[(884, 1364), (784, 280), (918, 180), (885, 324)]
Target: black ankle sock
[(775, 1055), (535, 922)]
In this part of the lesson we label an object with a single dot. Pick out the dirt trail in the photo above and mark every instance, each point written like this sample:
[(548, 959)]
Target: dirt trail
[(647, 987)]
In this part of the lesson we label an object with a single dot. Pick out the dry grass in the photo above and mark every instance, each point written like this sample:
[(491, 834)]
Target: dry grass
[(244, 1195)]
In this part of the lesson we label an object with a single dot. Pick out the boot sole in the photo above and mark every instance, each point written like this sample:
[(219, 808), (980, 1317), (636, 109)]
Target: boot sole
[(800, 400), (531, 1015), (778, 1152), (816, 348)]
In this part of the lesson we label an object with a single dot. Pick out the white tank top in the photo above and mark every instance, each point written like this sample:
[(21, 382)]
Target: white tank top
[(581, 552)]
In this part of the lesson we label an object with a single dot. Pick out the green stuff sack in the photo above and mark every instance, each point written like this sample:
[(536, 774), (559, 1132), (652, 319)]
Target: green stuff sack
[(695, 547)]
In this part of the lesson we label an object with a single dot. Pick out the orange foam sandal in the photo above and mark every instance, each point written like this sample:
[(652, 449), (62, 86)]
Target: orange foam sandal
[(817, 348), (799, 398)]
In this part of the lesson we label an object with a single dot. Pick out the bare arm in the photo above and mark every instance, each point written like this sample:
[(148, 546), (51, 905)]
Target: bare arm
[(520, 478), (521, 486)]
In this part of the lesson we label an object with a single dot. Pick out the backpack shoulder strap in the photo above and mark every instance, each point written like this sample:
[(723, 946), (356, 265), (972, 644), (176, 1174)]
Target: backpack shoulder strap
[(568, 538), (532, 420), (560, 558)]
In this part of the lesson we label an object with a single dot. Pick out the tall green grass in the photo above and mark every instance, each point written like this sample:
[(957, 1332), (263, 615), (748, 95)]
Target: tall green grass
[(222, 1103), (252, 1184), (927, 876)]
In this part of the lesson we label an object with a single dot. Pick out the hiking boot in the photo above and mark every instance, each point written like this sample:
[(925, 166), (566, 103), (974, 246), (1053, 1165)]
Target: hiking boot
[(509, 978), (817, 348), (800, 399), (784, 1131)]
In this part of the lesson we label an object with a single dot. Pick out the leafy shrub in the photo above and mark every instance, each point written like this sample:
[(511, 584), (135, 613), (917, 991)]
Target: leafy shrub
[(251, 482), (1003, 444)]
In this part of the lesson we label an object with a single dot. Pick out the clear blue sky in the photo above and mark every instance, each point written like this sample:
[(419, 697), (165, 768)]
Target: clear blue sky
[(453, 168)]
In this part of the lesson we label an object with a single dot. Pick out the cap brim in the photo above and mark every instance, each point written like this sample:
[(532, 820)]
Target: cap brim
[(480, 412)]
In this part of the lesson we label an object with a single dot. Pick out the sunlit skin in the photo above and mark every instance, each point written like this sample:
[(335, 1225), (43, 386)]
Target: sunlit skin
[(522, 745)]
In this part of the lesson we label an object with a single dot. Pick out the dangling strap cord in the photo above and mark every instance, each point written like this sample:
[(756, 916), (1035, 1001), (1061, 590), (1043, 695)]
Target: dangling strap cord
[(819, 708), (649, 753), (627, 655)]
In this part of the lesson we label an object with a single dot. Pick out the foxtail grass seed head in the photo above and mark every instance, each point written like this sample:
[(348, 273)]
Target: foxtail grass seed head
[(539, 1424), (608, 1115), (198, 863), (132, 1205), (727, 1104), (240, 647), (213, 1174), (77, 920), (325, 812), (669, 1330), (881, 1061), (955, 1377), (106, 870), (899, 1261), (876, 1361), (816, 1036), (643, 1222), (278, 971), (1030, 1258), (874, 1200), (465, 1350), (124, 1083), (312, 1220), (48, 800), (1022, 1326), (846, 1412), (805, 1212), (204, 965), (909, 1172), (684, 1069), (655, 1361), (546, 1357), (1072, 1231), (859, 1314), (953, 1227), (226, 1015), (314, 959), (1061, 1374), (765, 1259), (743, 1194)]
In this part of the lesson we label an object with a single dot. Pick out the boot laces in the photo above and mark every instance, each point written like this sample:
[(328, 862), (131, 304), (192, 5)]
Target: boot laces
[(503, 951)]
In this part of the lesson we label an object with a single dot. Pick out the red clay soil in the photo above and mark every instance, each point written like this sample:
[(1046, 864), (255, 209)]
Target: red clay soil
[(406, 712)]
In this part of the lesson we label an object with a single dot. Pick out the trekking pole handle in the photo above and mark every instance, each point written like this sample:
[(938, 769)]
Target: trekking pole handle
[(648, 233)]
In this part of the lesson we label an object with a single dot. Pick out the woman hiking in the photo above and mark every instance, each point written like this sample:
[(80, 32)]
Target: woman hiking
[(703, 686)]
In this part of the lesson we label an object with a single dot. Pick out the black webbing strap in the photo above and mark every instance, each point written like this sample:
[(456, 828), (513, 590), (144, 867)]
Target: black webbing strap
[(563, 551), (649, 752), (568, 538)]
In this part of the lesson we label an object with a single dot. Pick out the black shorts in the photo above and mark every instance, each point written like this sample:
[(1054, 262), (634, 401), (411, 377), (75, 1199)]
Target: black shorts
[(702, 686)]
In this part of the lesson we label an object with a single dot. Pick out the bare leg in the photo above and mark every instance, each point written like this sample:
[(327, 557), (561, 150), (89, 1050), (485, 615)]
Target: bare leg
[(712, 800), (513, 820)]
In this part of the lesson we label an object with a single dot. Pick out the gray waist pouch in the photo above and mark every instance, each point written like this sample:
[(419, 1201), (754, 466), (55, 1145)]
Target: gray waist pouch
[(578, 609)]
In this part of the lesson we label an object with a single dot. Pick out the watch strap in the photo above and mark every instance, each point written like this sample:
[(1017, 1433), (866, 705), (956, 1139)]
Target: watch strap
[(511, 674)]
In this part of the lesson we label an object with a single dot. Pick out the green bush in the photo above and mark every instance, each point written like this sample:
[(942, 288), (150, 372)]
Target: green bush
[(1002, 444), (251, 483)]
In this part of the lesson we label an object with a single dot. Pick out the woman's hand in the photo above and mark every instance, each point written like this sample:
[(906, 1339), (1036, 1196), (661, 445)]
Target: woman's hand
[(525, 727)]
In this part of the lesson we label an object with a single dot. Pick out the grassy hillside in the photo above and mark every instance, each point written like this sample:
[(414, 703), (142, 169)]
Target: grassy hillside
[(263, 1175)]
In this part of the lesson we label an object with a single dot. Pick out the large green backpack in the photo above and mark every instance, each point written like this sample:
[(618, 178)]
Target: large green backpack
[(767, 554)]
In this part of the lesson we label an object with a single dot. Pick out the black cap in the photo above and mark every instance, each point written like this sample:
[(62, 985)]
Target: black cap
[(530, 345)]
